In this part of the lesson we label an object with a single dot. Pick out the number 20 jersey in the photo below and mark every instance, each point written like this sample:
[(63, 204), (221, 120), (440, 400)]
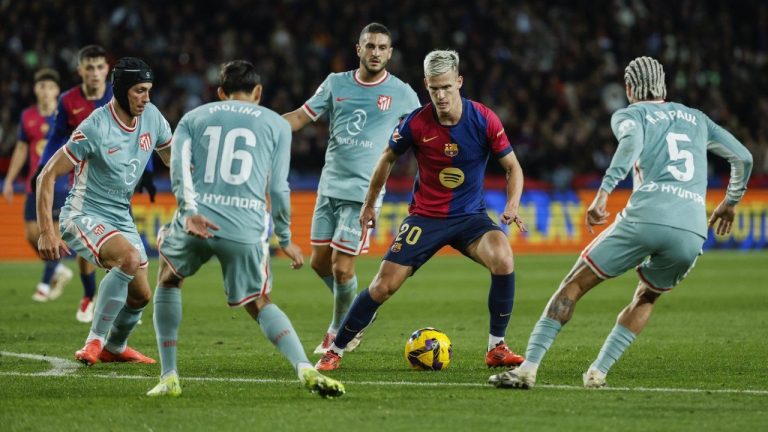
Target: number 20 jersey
[(665, 145)]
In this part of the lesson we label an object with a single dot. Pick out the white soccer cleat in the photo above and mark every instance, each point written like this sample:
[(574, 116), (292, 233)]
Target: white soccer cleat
[(325, 345), (593, 379), (41, 293), (318, 383), (168, 386), (61, 278), (513, 378), (85, 310)]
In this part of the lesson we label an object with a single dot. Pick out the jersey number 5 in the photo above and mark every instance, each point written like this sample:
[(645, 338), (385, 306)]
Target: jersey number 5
[(229, 155), (676, 155)]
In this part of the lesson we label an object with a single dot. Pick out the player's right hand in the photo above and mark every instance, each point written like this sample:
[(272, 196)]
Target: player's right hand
[(8, 192), (199, 226), (51, 246), (723, 216), (294, 253), (367, 220)]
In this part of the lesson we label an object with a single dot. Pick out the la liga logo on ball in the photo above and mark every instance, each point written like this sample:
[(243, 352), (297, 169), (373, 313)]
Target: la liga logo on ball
[(428, 349)]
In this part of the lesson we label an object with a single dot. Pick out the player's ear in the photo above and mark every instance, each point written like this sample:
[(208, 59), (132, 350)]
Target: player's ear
[(257, 93), (358, 49), (460, 81), (220, 93), (628, 90)]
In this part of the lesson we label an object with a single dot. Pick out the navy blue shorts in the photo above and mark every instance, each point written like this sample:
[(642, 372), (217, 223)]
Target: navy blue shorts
[(421, 237), (30, 210)]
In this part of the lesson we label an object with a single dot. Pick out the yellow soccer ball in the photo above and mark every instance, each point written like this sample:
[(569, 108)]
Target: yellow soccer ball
[(428, 349)]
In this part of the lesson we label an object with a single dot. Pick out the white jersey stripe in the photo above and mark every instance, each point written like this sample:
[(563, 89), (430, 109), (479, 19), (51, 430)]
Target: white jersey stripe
[(186, 176)]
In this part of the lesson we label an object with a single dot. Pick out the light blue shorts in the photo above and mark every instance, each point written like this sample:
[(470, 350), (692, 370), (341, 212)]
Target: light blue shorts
[(336, 222), (244, 266), (86, 234), (662, 255)]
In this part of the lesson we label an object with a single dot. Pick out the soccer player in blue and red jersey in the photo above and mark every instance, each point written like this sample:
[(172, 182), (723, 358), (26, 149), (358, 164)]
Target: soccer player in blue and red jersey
[(74, 106), (35, 123), (452, 138)]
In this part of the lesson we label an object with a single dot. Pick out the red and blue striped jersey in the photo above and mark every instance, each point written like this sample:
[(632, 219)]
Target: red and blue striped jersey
[(33, 130), (451, 159), (73, 108)]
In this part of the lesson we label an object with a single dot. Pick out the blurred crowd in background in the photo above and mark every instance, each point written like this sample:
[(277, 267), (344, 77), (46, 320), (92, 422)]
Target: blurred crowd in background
[(552, 70)]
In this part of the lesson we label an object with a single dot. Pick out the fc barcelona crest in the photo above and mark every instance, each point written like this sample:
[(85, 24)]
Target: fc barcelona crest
[(145, 141), (384, 102), (451, 149), (396, 247)]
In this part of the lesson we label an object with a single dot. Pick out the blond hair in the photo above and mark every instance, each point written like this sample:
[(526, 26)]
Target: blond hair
[(439, 62)]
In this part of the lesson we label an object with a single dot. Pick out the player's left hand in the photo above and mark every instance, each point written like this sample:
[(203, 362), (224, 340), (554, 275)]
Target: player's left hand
[(199, 225), (294, 253), (724, 213), (8, 192), (51, 246), (367, 220), (509, 216), (597, 213), (147, 182)]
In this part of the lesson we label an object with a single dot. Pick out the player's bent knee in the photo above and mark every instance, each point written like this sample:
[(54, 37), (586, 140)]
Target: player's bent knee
[(503, 264), (129, 262)]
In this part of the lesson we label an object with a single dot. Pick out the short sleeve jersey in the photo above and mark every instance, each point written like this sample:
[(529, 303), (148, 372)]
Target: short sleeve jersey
[(33, 130), (239, 151), (109, 158), (362, 116), (451, 159), (670, 173)]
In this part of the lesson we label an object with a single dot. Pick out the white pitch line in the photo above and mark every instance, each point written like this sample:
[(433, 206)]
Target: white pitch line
[(66, 368)]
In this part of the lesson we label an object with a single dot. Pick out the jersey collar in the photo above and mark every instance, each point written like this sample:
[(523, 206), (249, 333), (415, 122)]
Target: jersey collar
[(375, 83), (119, 122)]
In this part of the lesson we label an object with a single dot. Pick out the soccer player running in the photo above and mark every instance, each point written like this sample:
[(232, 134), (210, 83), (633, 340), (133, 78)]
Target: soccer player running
[(241, 152), (452, 138), (364, 106), (661, 230), (35, 123), (74, 106), (108, 152)]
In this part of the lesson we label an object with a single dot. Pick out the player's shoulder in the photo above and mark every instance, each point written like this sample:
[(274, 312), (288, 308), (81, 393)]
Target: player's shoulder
[(419, 116), (394, 81), (29, 113), (480, 108), (74, 94)]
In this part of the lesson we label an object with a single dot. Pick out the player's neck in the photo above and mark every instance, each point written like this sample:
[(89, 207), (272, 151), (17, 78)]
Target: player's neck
[(452, 117), (46, 108), (94, 93), (123, 115), (368, 78)]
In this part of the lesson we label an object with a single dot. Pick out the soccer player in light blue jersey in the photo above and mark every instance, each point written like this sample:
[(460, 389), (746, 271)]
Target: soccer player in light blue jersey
[(241, 151), (660, 232), (364, 105), (108, 152)]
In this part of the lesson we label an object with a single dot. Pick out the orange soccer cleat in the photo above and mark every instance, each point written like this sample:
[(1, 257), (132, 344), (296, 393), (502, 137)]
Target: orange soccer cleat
[(502, 356), (329, 361), (129, 355), (90, 353)]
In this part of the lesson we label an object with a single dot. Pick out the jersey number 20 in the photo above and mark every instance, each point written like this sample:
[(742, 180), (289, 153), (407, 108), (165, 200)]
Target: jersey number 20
[(229, 155)]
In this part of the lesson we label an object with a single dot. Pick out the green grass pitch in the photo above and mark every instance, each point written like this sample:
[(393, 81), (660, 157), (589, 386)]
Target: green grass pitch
[(699, 365)]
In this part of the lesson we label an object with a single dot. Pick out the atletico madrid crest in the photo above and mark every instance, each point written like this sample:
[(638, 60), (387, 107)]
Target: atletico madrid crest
[(145, 141), (384, 102), (98, 229)]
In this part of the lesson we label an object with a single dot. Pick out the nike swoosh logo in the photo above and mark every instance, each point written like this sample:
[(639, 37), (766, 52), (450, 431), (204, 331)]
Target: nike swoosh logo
[(341, 99), (428, 139), (77, 110), (113, 150)]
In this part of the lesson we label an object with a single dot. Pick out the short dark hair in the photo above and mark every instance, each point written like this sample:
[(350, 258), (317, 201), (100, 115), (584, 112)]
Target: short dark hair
[(237, 76), (90, 51), (46, 74), (375, 27)]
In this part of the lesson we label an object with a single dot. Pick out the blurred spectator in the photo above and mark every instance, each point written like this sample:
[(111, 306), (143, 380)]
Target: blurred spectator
[(548, 68)]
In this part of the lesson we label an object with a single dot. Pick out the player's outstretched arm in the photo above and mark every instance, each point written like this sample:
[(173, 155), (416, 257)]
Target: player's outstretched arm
[(17, 162), (379, 178), (514, 173), (50, 244), (297, 119)]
